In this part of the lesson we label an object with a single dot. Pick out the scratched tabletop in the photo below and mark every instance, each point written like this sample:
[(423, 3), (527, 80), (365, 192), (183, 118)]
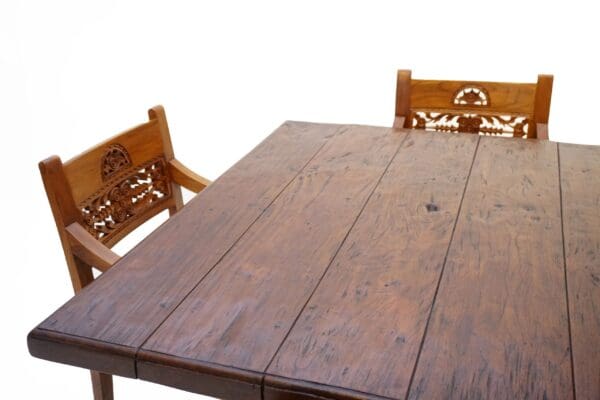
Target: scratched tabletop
[(358, 262)]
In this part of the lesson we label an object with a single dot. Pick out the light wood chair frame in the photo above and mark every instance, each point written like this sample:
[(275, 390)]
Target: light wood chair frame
[(531, 100), (68, 183)]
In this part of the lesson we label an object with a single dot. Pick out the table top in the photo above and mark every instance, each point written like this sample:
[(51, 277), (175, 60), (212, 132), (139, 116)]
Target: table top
[(357, 262)]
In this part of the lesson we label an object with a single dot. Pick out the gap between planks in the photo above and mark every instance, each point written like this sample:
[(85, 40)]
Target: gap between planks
[(564, 252), (300, 170), (332, 259), (412, 375)]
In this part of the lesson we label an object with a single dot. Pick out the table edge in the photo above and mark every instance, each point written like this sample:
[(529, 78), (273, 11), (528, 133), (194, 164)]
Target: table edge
[(196, 376), (136, 362), (82, 352), (276, 387), (208, 378)]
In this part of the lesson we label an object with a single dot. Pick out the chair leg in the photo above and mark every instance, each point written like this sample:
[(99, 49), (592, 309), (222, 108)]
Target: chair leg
[(103, 386)]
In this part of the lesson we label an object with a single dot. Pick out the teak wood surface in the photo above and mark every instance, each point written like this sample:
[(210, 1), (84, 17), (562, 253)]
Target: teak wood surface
[(356, 262)]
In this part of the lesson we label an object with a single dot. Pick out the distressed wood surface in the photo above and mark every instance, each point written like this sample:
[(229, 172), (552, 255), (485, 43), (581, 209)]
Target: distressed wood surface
[(127, 303), (499, 327), (377, 294), (353, 262), (251, 299), (580, 182)]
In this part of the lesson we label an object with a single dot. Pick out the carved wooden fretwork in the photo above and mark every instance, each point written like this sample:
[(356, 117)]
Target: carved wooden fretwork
[(497, 125), (115, 158), (129, 193), (472, 95)]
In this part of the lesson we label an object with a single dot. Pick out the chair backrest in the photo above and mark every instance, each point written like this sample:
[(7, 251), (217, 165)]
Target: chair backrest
[(489, 108), (108, 191), (117, 185)]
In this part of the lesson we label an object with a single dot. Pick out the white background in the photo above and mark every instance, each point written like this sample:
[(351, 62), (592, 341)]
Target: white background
[(228, 73)]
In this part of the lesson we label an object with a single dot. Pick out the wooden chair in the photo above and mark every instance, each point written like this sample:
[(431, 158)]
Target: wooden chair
[(488, 108), (100, 196)]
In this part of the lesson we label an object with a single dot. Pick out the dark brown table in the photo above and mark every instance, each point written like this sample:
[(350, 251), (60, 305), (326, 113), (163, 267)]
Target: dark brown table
[(357, 262)]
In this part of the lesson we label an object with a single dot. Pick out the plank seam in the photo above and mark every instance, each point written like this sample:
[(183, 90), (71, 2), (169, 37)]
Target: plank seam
[(562, 230), (327, 139), (332, 259), (412, 375)]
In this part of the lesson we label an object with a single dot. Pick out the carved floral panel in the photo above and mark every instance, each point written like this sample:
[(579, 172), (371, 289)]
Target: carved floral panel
[(497, 125), (472, 97), (128, 193), (115, 159)]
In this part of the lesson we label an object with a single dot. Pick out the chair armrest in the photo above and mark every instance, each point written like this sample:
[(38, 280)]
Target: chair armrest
[(183, 176), (90, 250), (542, 131)]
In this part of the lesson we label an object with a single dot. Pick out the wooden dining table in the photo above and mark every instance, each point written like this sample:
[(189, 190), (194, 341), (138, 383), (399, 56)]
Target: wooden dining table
[(359, 262)]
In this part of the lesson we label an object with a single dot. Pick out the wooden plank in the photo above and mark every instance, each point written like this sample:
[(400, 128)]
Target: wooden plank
[(499, 327), (378, 293), (239, 315), (580, 183), (126, 304)]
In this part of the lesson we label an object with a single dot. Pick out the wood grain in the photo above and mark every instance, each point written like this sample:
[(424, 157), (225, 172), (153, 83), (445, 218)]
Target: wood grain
[(87, 249), (187, 178), (378, 293), (280, 388), (82, 352), (102, 385), (580, 183), (195, 376), (344, 262), (506, 97), (128, 302), (499, 328), (239, 315), (82, 172)]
